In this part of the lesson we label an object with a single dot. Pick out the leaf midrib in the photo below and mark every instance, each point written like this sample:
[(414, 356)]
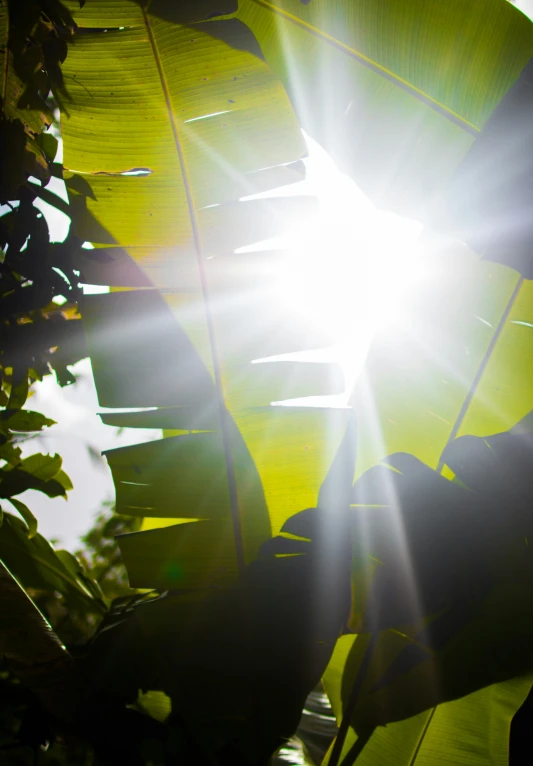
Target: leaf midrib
[(418, 93), (422, 737), (230, 471), (482, 367)]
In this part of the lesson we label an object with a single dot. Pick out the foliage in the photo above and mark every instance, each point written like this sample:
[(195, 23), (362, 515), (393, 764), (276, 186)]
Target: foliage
[(23, 724), (41, 326), (400, 94), (41, 333), (430, 568), (100, 554)]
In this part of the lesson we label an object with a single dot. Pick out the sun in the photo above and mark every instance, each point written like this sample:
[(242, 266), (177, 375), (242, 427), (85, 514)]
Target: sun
[(349, 265)]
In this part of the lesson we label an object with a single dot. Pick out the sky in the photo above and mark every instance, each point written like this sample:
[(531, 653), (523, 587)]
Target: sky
[(526, 6)]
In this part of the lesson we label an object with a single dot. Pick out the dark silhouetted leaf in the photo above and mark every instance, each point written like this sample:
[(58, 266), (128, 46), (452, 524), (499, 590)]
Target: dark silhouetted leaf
[(35, 565)]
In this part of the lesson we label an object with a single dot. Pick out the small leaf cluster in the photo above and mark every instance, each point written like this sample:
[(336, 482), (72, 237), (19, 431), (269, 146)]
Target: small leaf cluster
[(35, 37), (41, 332), (40, 327)]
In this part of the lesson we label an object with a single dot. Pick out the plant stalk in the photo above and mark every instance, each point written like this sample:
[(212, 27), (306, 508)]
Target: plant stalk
[(350, 709)]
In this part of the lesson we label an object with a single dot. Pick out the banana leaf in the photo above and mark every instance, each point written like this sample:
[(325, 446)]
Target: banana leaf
[(472, 730), (405, 125), (397, 94), (198, 122)]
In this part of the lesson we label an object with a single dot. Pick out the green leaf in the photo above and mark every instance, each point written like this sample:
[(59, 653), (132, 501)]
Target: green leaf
[(251, 385), (472, 731), (453, 578), (119, 325), (457, 364), (175, 418), (24, 420), (10, 454), (284, 618), (140, 355), (35, 565), (293, 449), (403, 111), (63, 480), (71, 563), (184, 476), (15, 481), (41, 466), (19, 388), (27, 515), (224, 104), (48, 144), (413, 399), (40, 472), (488, 200), (225, 119), (12, 134), (24, 111), (101, 14), (155, 704), (194, 555)]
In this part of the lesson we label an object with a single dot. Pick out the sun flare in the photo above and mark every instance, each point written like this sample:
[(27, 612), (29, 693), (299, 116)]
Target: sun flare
[(348, 265)]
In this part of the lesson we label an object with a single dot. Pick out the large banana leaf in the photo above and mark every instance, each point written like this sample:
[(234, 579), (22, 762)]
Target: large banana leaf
[(235, 468), (458, 362), (404, 91), (422, 377), (160, 152), (472, 730), (396, 92)]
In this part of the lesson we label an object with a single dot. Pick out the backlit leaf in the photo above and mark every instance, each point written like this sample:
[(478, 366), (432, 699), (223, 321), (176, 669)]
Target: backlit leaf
[(396, 93), (24, 420), (27, 515), (473, 730)]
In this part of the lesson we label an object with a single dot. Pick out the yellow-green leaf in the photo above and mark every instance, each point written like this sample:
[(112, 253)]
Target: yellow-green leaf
[(199, 111), (27, 515), (396, 92), (472, 731), (198, 554)]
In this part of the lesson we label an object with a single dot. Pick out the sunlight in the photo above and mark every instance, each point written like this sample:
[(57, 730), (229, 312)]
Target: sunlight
[(348, 266)]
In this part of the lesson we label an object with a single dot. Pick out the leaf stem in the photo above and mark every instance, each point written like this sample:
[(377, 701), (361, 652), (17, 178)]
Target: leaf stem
[(482, 367), (350, 708), (357, 748), (223, 413)]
